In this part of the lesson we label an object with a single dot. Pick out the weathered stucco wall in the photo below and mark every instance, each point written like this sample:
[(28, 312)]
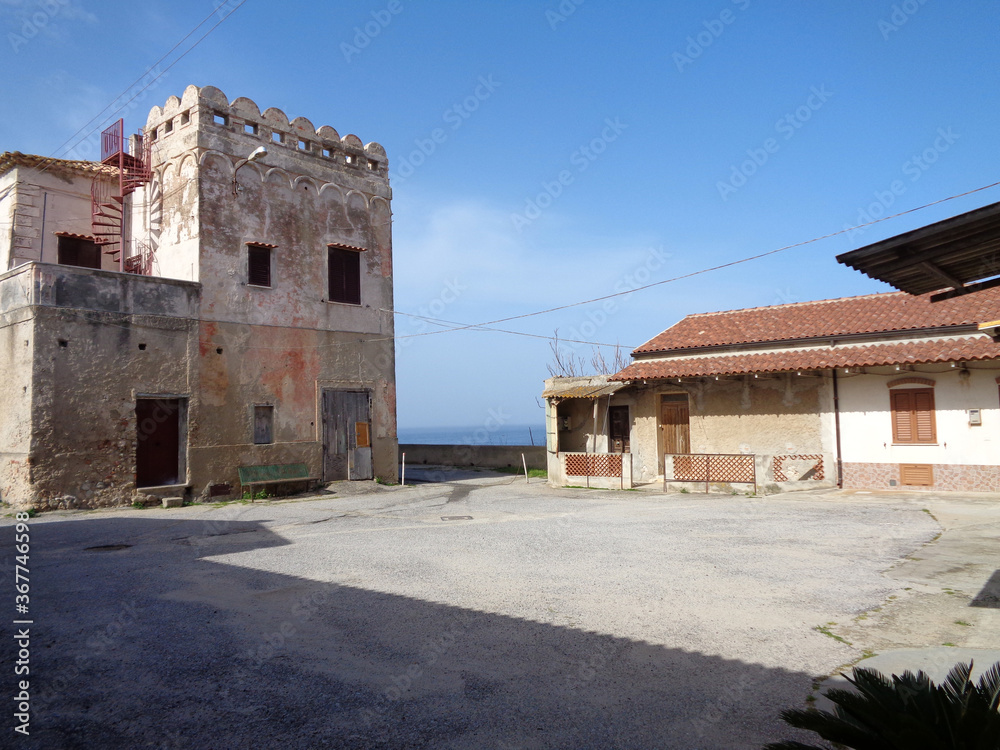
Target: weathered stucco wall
[(280, 344), (88, 369), (220, 345), (16, 353), (41, 203), (766, 416), (784, 416)]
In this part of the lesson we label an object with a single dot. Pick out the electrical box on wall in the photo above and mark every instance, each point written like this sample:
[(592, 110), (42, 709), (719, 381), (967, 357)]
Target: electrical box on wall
[(975, 417)]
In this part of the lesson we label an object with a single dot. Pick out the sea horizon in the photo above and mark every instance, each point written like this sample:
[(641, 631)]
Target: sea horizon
[(510, 434)]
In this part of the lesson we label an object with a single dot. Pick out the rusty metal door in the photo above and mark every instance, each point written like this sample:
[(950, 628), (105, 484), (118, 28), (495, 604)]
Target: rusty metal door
[(347, 452), (158, 442), (675, 426), (619, 430)]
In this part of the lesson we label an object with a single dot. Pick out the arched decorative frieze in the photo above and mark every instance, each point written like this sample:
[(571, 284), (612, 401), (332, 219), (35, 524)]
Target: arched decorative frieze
[(306, 183)]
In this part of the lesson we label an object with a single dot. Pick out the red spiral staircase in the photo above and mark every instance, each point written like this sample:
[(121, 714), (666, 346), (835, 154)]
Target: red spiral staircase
[(109, 217)]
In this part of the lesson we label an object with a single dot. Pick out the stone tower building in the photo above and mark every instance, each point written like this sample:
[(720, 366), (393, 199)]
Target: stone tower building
[(258, 330)]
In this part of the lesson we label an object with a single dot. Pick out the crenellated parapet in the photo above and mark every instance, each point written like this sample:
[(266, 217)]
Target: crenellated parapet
[(203, 118)]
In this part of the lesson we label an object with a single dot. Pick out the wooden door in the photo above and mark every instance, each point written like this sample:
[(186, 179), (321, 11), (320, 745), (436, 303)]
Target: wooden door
[(346, 430), (618, 432), (158, 442), (675, 425)]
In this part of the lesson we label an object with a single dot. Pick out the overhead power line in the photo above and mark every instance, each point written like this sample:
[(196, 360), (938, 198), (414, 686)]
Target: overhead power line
[(97, 118), (692, 274)]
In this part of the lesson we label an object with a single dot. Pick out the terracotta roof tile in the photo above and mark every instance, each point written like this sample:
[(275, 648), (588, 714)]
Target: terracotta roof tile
[(11, 159), (874, 313), (968, 349)]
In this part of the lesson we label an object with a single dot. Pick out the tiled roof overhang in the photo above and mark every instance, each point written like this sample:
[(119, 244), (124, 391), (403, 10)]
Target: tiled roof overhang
[(835, 318), (949, 254), (970, 349), (583, 391), (11, 159)]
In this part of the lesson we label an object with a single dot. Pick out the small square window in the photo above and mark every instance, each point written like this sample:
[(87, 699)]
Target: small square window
[(328, 153), (344, 269), (303, 145), (250, 128), (258, 265), (350, 159), (220, 119), (373, 166), (185, 118), (277, 137), (75, 251), (263, 424), (168, 127)]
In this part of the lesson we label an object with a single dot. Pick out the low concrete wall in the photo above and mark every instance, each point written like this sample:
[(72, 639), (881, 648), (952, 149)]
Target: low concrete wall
[(483, 456)]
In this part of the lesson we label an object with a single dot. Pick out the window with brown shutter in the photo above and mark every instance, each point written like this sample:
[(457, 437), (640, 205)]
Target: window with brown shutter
[(913, 416), (258, 265), (344, 267)]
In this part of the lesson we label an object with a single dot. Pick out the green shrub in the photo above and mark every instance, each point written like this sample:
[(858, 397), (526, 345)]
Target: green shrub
[(907, 712)]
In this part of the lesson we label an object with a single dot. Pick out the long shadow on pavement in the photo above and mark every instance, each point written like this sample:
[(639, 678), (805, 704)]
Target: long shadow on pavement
[(162, 644)]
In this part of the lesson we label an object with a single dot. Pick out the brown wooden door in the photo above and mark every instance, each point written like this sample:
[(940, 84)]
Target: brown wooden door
[(675, 424), (619, 429), (158, 446)]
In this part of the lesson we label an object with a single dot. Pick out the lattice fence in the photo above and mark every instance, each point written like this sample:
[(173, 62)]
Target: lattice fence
[(711, 467), (593, 465), (779, 466)]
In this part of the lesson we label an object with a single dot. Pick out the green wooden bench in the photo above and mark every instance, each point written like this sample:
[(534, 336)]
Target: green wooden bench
[(252, 476)]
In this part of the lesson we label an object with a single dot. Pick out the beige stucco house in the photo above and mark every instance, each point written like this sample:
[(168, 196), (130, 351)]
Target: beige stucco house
[(872, 392), (181, 310)]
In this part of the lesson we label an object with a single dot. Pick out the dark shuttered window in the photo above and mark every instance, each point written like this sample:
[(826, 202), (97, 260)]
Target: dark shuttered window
[(345, 275), (258, 265), (913, 416)]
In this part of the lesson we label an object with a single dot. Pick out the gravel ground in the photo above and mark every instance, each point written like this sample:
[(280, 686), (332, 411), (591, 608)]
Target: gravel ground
[(531, 618)]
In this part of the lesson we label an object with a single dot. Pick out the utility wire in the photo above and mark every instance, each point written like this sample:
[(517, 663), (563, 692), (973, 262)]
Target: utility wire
[(148, 70), (705, 270), (443, 323)]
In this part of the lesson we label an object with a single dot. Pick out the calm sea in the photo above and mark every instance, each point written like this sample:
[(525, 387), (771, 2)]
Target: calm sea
[(508, 434)]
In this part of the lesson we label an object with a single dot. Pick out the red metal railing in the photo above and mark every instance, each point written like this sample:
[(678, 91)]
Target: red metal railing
[(113, 140), (108, 206)]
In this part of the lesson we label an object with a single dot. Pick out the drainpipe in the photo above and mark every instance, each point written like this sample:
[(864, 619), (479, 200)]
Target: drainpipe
[(836, 421)]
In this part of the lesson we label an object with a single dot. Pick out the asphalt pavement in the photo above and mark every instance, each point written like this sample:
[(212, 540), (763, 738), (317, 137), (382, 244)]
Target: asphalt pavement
[(478, 611)]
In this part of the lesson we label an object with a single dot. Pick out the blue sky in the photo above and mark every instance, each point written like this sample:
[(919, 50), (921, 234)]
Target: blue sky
[(544, 153)]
